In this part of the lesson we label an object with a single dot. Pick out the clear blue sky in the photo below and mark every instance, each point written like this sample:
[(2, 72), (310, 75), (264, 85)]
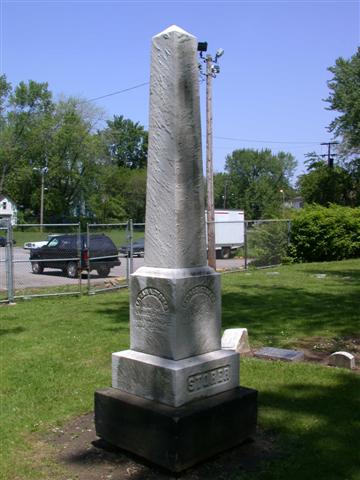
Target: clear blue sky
[(273, 73)]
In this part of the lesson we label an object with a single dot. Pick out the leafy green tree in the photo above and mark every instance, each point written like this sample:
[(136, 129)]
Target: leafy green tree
[(325, 233), (27, 107), (345, 98), (50, 139), (72, 161), (5, 90), (340, 184), (255, 179), (86, 173), (105, 203), (324, 185), (119, 195), (222, 196), (125, 143)]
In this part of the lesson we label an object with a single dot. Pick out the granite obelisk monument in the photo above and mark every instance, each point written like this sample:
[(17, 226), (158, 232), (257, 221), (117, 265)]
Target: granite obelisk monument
[(175, 396)]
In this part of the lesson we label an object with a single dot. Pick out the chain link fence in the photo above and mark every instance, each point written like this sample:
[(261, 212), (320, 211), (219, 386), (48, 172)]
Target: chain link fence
[(266, 242), (251, 243), (6, 263), (106, 270), (60, 259), (46, 260)]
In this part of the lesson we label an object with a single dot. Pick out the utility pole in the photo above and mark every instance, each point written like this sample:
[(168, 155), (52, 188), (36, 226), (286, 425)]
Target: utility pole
[(42, 200), (209, 167), (43, 171), (225, 194), (283, 200), (212, 69), (330, 158)]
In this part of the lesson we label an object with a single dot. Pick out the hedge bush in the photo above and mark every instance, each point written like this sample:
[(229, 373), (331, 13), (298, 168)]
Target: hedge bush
[(325, 233), (267, 242)]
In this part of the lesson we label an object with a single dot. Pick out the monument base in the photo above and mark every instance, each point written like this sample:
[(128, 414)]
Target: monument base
[(176, 437), (175, 382)]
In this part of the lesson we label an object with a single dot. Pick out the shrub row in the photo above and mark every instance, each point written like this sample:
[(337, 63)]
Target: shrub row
[(325, 233)]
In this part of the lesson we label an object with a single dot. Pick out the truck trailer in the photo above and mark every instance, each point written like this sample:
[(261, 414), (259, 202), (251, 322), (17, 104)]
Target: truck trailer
[(229, 231)]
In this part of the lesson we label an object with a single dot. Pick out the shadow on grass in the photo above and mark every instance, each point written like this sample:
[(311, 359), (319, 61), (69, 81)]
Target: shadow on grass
[(118, 313), (272, 313), (319, 426), (90, 458), (311, 417), (345, 273), (11, 331), (279, 312)]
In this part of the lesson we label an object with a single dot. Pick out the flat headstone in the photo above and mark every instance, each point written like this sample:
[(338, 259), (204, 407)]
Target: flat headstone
[(342, 360), (236, 339), (280, 354)]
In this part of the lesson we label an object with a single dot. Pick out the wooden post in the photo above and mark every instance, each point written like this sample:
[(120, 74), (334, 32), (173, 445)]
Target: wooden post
[(209, 168)]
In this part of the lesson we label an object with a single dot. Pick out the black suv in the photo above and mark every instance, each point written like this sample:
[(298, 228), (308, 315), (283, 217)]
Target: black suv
[(138, 248), (72, 255)]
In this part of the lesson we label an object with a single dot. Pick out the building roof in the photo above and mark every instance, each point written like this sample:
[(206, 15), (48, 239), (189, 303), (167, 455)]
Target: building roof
[(6, 197)]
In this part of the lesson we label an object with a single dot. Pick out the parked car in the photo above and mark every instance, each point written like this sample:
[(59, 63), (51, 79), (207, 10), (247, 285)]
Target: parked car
[(3, 241), (138, 248), (40, 243), (72, 255)]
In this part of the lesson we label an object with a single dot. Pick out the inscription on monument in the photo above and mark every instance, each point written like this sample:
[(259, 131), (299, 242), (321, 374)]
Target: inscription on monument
[(199, 290), (199, 304), (151, 310), (207, 379)]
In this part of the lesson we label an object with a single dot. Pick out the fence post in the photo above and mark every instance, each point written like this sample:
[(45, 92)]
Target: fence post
[(288, 232), (131, 256), (245, 244), (128, 241), (9, 262), (79, 256), (88, 260)]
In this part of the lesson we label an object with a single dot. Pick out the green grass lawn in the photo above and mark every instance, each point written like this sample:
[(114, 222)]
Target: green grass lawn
[(55, 352)]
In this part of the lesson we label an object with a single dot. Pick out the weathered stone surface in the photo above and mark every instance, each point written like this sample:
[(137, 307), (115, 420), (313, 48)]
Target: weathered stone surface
[(175, 225), (280, 354), (175, 313), (176, 437), (175, 382), (342, 360), (236, 339), (175, 398)]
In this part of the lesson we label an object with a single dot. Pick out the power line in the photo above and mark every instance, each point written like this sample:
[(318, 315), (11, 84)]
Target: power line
[(233, 139), (116, 93), (265, 141)]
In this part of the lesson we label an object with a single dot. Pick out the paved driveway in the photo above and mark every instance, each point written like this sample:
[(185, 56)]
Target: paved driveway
[(24, 278)]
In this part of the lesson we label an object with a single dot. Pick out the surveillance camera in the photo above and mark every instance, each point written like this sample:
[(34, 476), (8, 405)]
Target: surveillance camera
[(220, 52), (202, 46)]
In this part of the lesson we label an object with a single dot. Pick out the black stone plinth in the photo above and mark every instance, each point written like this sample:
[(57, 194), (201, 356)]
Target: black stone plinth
[(176, 437)]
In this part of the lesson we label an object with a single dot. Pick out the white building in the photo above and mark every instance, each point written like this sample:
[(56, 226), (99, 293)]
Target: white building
[(8, 210)]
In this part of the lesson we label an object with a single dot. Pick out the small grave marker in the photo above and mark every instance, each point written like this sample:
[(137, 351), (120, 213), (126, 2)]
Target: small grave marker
[(280, 354), (342, 360), (236, 339)]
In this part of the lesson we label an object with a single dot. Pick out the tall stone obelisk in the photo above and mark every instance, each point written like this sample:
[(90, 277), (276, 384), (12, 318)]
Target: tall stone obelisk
[(175, 358)]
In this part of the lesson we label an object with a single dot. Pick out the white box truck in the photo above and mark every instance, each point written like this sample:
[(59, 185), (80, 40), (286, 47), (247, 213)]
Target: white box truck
[(229, 231)]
